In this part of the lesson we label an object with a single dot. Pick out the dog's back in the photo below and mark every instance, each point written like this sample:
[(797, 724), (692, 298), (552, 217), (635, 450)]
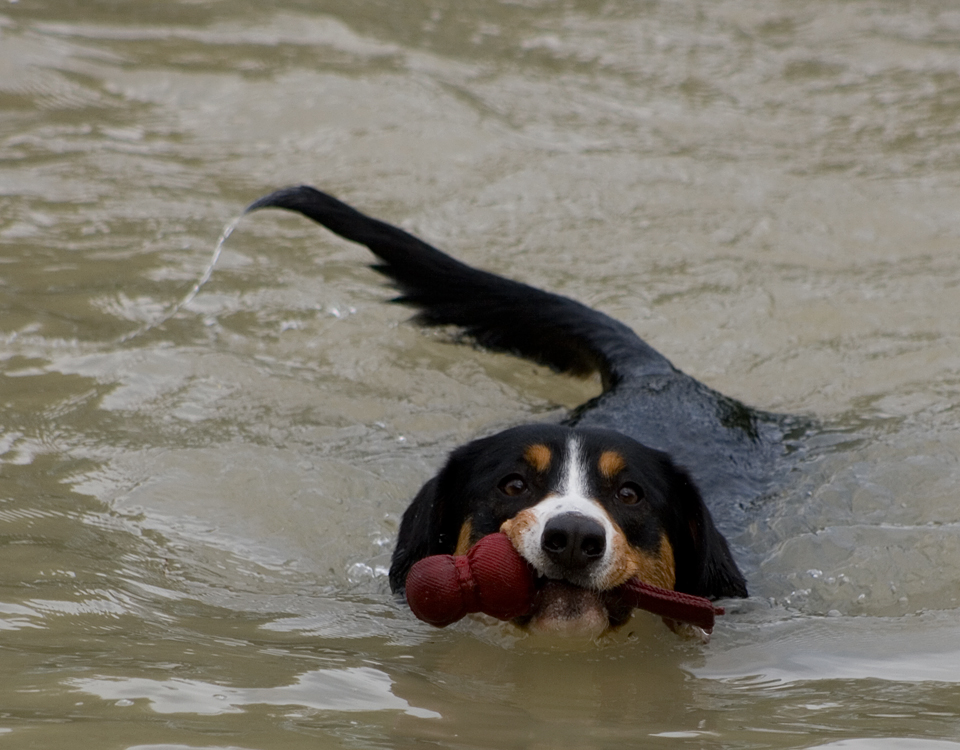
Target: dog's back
[(733, 452)]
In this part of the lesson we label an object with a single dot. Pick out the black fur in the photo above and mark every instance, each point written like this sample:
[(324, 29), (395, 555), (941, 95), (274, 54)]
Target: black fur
[(690, 444)]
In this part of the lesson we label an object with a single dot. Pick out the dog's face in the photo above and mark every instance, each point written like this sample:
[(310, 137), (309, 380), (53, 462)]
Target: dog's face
[(588, 509)]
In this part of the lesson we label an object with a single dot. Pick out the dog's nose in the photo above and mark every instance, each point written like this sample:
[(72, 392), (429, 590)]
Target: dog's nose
[(573, 541)]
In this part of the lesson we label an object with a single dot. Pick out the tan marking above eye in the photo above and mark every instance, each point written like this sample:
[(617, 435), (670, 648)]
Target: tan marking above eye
[(539, 457), (611, 463), (465, 540)]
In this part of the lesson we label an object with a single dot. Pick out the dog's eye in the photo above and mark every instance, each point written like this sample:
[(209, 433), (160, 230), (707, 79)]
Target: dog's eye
[(630, 493), (512, 485)]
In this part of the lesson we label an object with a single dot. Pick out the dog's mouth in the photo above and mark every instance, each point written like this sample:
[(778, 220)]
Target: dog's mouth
[(563, 608)]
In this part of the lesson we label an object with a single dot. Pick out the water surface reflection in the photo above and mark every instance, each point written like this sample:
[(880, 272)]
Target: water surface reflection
[(195, 521)]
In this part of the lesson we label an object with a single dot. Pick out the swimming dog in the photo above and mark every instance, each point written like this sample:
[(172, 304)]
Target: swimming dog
[(622, 488)]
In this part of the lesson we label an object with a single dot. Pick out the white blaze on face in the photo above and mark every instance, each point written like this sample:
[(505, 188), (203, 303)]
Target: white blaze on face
[(526, 529)]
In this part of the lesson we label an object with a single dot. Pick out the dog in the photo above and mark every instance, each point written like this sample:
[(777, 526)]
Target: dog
[(622, 488)]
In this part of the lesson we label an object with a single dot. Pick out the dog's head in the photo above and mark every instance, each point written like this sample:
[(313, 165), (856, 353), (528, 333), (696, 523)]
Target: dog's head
[(588, 509)]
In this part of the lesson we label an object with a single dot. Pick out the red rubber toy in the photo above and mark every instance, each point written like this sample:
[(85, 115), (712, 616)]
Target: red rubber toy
[(493, 578), (490, 578)]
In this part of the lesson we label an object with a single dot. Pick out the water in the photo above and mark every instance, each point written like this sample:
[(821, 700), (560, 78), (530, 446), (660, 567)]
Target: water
[(197, 509)]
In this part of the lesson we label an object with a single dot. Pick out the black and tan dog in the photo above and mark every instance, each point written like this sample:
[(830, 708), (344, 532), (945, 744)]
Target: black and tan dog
[(617, 491)]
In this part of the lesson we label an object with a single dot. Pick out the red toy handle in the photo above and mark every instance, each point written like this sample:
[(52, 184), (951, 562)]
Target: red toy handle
[(669, 604), (493, 578)]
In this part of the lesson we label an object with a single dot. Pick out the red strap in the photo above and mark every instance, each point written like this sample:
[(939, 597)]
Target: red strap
[(673, 605)]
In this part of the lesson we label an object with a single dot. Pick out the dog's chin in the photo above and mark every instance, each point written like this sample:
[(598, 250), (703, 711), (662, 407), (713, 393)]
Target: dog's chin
[(563, 609)]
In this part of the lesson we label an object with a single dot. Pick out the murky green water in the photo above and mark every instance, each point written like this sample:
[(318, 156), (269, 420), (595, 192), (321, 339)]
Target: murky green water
[(195, 521)]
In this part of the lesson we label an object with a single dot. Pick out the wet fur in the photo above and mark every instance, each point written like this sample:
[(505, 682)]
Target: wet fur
[(692, 447)]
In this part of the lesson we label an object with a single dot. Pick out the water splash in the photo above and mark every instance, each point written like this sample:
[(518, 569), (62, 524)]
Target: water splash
[(194, 290)]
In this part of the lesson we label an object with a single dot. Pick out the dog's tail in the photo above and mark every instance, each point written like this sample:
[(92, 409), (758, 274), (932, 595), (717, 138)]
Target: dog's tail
[(498, 313)]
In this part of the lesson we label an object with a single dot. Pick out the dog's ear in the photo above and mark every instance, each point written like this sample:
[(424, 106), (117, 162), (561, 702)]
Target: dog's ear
[(704, 564), (431, 525), (416, 529)]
